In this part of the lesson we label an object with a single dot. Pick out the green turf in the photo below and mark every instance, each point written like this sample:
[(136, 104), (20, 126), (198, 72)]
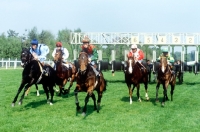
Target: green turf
[(116, 113)]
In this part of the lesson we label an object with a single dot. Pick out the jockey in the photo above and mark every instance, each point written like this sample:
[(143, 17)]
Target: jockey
[(92, 53), (64, 51), (39, 52), (138, 54), (170, 59), (165, 53)]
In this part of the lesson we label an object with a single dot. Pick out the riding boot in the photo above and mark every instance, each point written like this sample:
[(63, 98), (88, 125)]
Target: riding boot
[(141, 67), (44, 72)]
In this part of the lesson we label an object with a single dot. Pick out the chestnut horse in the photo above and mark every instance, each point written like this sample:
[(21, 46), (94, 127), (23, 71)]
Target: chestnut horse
[(135, 75), (165, 77), (88, 82), (64, 72)]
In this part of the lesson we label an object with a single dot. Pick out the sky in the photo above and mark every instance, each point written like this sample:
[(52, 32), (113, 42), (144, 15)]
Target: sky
[(140, 16), (100, 15)]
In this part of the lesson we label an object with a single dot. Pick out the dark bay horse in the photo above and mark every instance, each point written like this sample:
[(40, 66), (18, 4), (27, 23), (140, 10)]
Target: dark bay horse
[(23, 64), (32, 74), (165, 77), (134, 75), (88, 82), (64, 72)]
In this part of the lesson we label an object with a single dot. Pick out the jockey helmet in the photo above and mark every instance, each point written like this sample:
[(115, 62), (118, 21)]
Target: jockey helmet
[(34, 42), (58, 44), (86, 40), (165, 50), (133, 46)]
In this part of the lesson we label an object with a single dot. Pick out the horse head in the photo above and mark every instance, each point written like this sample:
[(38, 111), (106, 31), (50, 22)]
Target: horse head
[(58, 56), (83, 62), (130, 64), (163, 63), (26, 57)]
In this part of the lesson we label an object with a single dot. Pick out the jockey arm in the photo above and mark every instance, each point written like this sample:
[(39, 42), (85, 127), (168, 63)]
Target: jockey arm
[(94, 56), (66, 54), (44, 52), (54, 52), (141, 55)]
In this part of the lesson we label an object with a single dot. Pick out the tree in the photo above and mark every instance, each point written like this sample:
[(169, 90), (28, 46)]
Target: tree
[(12, 33)]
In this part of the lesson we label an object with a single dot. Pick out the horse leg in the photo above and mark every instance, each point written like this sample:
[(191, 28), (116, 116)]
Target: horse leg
[(157, 88), (61, 88), (71, 83), (25, 89), (99, 101), (146, 91), (78, 108), (94, 99), (18, 92), (164, 93), (36, 86), (51, 93), (130, 92), (86, 101), (172, 91), (138, 92)]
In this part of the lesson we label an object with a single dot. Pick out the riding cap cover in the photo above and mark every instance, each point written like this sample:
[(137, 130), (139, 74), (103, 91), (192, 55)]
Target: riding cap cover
[(58, 44), (86, 40), (133, 46), (165, 50), (34, 42)]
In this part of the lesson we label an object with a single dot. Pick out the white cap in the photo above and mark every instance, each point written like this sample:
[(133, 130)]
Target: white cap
[(133, 46)]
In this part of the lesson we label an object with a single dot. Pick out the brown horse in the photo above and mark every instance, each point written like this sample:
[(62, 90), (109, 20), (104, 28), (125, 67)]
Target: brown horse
[(64, 73), (135, 75), (88, 82), (165, 77)]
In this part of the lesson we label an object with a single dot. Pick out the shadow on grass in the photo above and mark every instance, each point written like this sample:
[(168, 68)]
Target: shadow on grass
[(115, 81), (151, 100), (36, 104), (90, 110)]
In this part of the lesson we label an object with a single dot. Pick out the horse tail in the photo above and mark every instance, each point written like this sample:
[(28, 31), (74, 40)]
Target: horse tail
[(105, 85)]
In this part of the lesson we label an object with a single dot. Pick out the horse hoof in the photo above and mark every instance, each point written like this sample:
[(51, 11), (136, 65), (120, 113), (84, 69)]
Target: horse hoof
[(163, 104), (83, 114), (20, 103), (51, 103), (147, 98), (13, 104)]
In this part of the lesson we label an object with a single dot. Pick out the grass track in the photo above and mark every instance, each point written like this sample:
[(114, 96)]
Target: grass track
[(116, 114)]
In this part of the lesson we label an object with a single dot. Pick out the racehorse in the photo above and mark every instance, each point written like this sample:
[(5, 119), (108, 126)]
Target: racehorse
[(64, 72), (88, 82), (32, 74), (135, 75), (27, 91), (165, 77)]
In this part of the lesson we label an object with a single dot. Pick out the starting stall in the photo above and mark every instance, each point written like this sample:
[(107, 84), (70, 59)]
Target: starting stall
[(151, 40)]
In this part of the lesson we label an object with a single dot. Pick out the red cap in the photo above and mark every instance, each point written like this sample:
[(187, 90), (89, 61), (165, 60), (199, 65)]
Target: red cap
[(58, 44)]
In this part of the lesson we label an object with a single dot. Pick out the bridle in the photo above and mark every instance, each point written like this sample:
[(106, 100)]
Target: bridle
[(26, 57), (83, 62)]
